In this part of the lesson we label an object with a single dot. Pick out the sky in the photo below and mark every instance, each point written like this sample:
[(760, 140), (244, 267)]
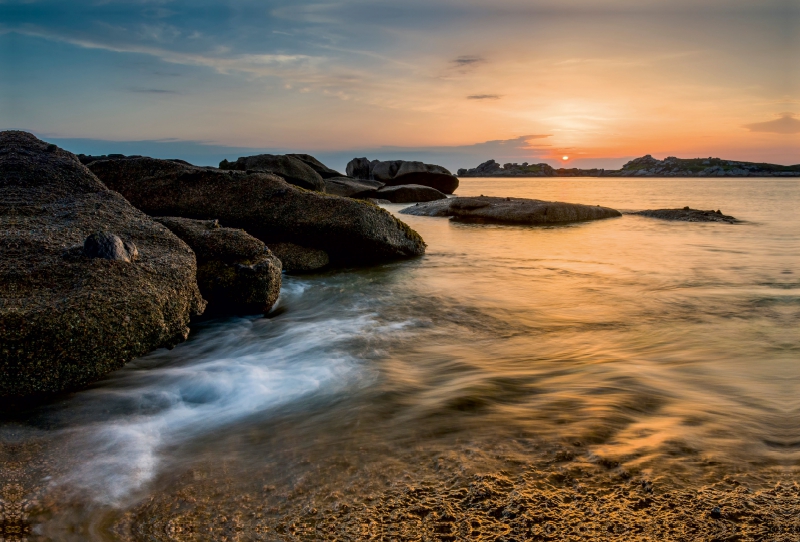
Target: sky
[(453, 82)]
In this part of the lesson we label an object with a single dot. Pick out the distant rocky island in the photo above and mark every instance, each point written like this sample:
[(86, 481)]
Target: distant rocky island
[(646, 166)]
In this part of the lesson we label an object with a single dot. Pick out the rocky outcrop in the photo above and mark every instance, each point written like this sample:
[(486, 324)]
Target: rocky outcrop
[(324, 171), (87, 282), (351, 232), (347, 187), (688, 215), (297, 259), (290, 169), (236, 273), (646, 166), (400, 172), (493, 169), (510, 210), (408, 193)]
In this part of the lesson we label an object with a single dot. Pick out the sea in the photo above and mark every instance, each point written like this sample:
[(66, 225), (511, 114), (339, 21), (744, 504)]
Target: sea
[(657, 351)]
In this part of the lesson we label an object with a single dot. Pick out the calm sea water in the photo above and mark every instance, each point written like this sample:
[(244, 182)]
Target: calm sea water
[(672, 348)]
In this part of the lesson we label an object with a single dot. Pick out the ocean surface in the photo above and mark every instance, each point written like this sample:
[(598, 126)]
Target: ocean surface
[(667, 350)]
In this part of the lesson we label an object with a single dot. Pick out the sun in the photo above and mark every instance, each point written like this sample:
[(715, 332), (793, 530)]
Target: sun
[(565, 157)]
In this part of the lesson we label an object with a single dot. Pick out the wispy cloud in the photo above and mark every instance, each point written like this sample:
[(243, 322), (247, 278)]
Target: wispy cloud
[(484, 97), (785, 124), (153, 91)]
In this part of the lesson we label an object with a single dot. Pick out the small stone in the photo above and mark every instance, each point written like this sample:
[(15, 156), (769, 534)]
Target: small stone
[(686, 208), (716, 513), (109, 247)]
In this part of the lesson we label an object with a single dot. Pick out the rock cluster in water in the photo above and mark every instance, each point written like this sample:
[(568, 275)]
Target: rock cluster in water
[(645, 166), (401, 172), (350, 232), (510, 210), (87, 281)]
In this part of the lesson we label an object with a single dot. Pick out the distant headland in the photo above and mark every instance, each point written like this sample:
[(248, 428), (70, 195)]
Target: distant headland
[(646, 166)]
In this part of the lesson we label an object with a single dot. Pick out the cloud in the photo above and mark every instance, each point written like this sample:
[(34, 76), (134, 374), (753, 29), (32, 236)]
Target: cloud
[(484, 97), (786, 124), (468, 60), (467, 63), (153, 91)]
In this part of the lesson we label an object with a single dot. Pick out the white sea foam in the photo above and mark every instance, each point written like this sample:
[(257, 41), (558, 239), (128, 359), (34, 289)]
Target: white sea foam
[(226, 373)]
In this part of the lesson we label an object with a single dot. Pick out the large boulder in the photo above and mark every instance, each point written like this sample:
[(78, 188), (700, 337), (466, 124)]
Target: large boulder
[(290, 169), (324, 171), (297, 259), (87, 281), (409, 193), (400, 172), (511, 210), (359, 168), (236, 273), (347, 187), (351, 232)]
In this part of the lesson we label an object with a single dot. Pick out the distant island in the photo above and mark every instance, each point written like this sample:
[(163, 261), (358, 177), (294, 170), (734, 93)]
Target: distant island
[(646, 166)]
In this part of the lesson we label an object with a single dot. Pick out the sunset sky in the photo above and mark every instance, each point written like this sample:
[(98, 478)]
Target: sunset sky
[(451, 81)]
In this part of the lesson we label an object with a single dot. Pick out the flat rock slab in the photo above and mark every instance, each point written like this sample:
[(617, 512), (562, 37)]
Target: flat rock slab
[(688, 215), (510, 210), (87, 281)]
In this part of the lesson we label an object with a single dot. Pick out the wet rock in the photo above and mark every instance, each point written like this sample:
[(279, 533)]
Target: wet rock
[(110, 247), (324, 171), (351, 232), (510, 210), (688, 215), (297, 259), (351, 188), (401, 172), (409, 193), (236, 273), (290, 169), (67, 319)]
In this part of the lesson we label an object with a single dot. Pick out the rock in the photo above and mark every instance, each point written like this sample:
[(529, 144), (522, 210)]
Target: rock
[(511, 210), (688, 215), (440, 208), (297, 259), (400, 172), (109, 247), (324, 171), (236, 273), (351, 232), (290, 169), (359, 168), (409, 193), (67, 319), (351, 188), (377, 201)]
